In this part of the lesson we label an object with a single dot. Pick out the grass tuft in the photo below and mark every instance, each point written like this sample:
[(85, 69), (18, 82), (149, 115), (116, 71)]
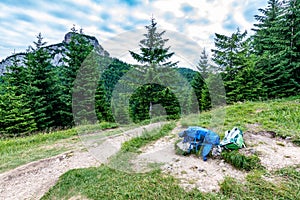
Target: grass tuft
[(148, 136), (179, 151), (241, 161)]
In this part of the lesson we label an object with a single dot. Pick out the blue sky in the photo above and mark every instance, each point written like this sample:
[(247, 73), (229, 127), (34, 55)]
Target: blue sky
[(119, 24)]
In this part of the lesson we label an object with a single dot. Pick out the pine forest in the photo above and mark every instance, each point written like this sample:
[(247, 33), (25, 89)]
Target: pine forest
[(39, 96)]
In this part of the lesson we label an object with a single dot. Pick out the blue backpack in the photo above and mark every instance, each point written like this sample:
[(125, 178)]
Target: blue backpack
[(197, 137)]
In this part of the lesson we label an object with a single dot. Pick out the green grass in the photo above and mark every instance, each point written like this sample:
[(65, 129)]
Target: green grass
[(95, 127), (18, 151), (241, 161), (147, 136), (107, 183), (257, 186), (130, 149), (280, 116)]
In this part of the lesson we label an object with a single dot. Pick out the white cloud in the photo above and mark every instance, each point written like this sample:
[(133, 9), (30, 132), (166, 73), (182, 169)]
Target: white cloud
[(55, 18)]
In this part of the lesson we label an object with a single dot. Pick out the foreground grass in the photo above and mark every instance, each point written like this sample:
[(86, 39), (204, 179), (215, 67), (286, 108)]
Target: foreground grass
[(18, 151), (107, 183), (280, 116), (281, 184)]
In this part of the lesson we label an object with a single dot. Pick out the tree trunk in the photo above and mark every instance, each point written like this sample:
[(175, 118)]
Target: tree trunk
[(150, 109)]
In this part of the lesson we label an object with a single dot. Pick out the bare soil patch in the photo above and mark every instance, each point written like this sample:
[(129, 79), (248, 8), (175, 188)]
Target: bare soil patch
[(193, 172), (274, 152)]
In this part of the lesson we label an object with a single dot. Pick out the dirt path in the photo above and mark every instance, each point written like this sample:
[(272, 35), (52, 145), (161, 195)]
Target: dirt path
[(32, 180), (193, 172)]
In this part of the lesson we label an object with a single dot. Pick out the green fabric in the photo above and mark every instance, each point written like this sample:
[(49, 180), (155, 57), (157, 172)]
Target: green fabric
[(233, 139)]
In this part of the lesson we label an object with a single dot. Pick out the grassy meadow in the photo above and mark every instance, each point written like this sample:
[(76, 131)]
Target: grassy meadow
[(18, 151), (280, 116)]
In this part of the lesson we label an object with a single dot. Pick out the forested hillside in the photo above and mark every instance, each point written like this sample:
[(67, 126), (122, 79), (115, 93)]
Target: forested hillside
[(266, 64), (41, 91), (39, 87)]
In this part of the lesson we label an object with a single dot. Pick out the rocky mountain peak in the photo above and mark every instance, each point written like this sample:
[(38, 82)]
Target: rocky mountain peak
[(56, 50)]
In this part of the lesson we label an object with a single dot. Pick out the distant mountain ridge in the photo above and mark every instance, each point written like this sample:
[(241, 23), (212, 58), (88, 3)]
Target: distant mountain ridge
[(57, 51)]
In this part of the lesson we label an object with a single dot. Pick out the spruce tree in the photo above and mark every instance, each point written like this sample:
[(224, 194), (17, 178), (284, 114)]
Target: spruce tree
[(77, 51), (153, 50), (294, 54), (102, 104), (284, 80), (17, 75), (247, 84), (269, 44), (230, 56), (43, 83), (202, 73), (16, 116), (110, 76), (155, 57), (83, 95), (266, 35), (205, 100)]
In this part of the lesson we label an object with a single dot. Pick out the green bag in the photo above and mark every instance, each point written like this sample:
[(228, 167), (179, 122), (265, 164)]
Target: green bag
[(233, 139)]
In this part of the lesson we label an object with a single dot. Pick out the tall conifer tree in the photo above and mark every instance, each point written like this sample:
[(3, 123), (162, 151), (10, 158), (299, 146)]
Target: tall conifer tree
[(154, 56), (268, 44), (16, 116), (198, 82), (43, 85), (77, 51), (230, 56)]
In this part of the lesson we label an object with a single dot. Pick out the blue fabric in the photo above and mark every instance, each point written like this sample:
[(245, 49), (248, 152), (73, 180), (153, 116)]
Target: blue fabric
[(198, 136), (205, 151), (193, 133), (210, 139)]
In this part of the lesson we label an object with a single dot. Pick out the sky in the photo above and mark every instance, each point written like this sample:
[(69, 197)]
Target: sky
[(119, 25)]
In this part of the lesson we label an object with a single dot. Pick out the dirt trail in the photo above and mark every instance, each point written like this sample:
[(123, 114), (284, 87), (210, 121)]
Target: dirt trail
[(32, 180), (193, 172)]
